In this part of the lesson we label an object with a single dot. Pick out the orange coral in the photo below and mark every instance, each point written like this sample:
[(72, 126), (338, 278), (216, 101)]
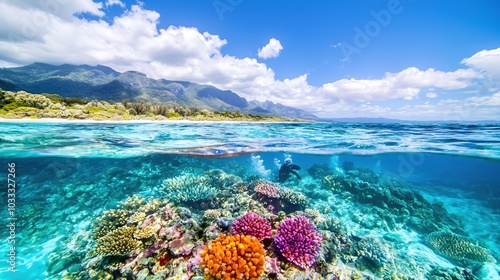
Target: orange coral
[(233, 257)]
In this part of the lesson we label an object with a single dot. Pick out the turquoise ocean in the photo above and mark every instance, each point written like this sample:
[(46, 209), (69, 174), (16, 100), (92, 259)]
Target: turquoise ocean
[(391, 201)]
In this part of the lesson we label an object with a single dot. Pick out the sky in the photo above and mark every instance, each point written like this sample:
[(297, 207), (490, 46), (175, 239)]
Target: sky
[(403, 59)]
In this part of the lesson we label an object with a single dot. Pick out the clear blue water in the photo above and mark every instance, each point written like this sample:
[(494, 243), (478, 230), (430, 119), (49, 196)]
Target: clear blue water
[(68, 173)]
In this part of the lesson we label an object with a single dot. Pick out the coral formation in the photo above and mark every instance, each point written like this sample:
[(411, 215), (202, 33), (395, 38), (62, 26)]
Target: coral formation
[(137, 217), (117, 242), (147, 232), (188, 188), (153, 239), (293, 197), (233, 257), (458, 247), (374, 251), (268, 190), (390, 197), (315, 216), (109, 221), (298, 241), (211, 214), (253, 225)]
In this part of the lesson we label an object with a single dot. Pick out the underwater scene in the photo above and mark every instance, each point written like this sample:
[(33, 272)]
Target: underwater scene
[(235, 200)]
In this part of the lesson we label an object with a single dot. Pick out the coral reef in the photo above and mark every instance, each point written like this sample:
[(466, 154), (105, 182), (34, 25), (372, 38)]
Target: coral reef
[(279, 198), (132, 210), (298, 241), (147, 232), (458, 247), (188, 188), (252, 224), (374, 251), (296, 200), (211, 214), (117, 242), (268, 190), (315, 216), (392, 200), (109, 221), (329, 225), (233, 257), (137, 218)]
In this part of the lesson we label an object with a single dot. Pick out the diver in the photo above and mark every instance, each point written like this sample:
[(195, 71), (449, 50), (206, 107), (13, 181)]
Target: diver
[(287, 168)]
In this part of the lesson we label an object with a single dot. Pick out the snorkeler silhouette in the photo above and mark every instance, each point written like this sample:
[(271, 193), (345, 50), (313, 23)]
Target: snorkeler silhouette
[(287, 168)]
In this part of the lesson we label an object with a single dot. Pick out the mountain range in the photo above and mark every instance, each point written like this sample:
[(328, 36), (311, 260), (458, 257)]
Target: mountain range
[(103, 83)]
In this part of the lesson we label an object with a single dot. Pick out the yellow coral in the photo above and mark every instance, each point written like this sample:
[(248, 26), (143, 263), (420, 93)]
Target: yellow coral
[(109, 221), (137, 217), (333, 182), (211, 214), (117, 242), (233, 257), (146, 232), (458, 247)]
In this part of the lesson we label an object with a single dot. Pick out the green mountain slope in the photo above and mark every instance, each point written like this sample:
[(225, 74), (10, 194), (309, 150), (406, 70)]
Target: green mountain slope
[(103, 83)]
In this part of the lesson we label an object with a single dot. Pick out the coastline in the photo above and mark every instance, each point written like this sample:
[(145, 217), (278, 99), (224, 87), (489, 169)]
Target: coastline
[(58, 120)]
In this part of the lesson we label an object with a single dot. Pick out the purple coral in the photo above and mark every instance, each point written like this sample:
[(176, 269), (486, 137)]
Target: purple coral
[(298, 241), (253, 225)]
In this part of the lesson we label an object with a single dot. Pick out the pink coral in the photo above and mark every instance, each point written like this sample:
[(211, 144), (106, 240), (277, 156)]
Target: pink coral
[(253, 225), (268, 190), (298, 241), (272, 266)]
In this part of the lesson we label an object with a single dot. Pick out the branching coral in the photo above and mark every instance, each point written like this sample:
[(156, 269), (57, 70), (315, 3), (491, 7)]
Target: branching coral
[(233, 257), (117, 242), (109, 221), (188, 188), (458, 247), (132, 210), (146, 232), (137, 217), (298, 241), (253, 225)]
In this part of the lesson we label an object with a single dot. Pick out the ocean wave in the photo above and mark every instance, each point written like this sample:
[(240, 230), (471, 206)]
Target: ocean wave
[(211, 139)]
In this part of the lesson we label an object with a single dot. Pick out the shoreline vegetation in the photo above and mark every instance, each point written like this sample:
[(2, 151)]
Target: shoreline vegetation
[(24, 105)]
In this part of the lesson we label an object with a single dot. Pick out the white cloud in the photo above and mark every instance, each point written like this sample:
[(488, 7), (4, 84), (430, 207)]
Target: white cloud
[(487, 61), (133, 41), (472, 108), (406, 84), (115, 2), (431, 95), (271, 50)]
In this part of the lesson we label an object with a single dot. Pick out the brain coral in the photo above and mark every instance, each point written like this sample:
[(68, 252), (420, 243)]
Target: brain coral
[(458, 247), (298, 241), (233, 257), (253, 225)]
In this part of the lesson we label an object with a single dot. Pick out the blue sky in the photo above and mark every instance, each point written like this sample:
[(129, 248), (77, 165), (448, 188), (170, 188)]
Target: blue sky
[(429, 60), (421, 35)]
